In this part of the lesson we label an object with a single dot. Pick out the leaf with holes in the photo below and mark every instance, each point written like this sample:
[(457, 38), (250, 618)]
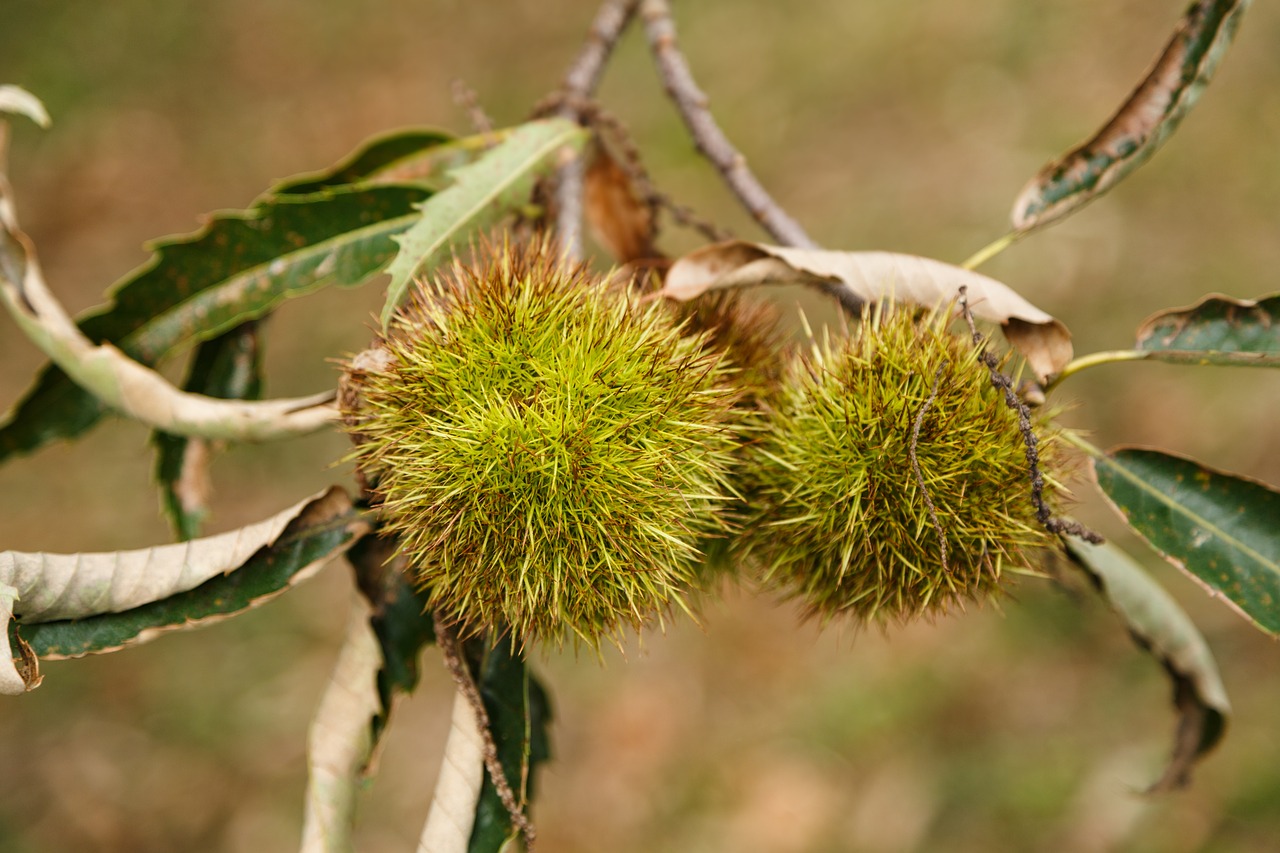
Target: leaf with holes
[(1221, 529), (481, 193), (873, 276), (1142, 124), (239, 267), (1161, 628), (228, 367), (1216, 330)]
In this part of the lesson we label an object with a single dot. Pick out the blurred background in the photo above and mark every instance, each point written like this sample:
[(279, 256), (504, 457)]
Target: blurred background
[(903, 126)]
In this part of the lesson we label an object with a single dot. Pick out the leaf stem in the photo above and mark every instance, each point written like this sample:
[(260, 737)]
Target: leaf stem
[(1081, 443), (1095, 359), (992, 249)]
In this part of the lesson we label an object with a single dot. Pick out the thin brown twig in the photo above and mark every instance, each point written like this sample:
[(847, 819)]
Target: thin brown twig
[(579, 83), (465, 97), (451, 648), (915, 466), (707, 135), (1013, 401)]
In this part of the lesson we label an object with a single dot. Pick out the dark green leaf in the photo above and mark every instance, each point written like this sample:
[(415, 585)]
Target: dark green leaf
[(237, 268), (519, 717), (400, 619), (1216, 330), (400, 156), (1143, 122), (1161, 627), (324, 529), (1223, 530), (228, 367)]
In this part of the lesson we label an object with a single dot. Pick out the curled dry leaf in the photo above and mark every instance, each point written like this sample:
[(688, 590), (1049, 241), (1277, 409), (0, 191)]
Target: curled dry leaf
[(18, 101), (1143, 122), (340, 742), (1161, 627), (123, 383), (619, 221), (872, 276), (25, 674), (71, 586), (453, 805)]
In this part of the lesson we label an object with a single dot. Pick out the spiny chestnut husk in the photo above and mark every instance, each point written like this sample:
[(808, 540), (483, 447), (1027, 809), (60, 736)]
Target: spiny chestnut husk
[(549, 450), (838, 520)]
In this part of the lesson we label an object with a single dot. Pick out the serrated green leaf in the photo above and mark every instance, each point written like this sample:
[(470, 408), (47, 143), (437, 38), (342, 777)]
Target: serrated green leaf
[(481, 193), (396, 157), (1221, 529), (1142, 124), (519, 719), (324, 529), (1216, 330), (1162, 629), (228, 367), (237, 268)]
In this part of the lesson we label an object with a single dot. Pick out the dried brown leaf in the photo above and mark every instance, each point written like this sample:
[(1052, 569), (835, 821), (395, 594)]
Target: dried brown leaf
[(873, 276), (618, 219)]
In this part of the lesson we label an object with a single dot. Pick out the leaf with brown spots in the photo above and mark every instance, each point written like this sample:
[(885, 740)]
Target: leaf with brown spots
[(1221, 529), (1142, 124), (1160, 626), (1216, 330)]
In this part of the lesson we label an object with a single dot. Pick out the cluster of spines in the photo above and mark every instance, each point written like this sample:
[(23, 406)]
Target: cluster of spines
[(549, 451)]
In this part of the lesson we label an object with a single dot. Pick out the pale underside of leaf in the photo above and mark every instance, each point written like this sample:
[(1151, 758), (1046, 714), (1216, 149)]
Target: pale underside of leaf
[(15, 679), (123, 383), (874, 276), (1216, 330), (18, 101), (1160, 626), (1146, 119), (482, 192), (325, 528), (340, 742), (453, 805), (71, 586), (1223, 530)]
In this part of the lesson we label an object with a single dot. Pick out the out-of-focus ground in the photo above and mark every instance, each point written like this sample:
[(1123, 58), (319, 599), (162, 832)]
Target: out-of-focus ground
[(902, 126)]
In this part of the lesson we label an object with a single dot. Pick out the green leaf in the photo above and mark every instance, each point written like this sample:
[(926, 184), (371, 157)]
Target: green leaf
[(519, 717), (1222, 530), (323, 530), (481, 193), (1141, 125), (1160, 627), (401, 156), (237, 268), (1216, 330), (400, 617), (228, 367)]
